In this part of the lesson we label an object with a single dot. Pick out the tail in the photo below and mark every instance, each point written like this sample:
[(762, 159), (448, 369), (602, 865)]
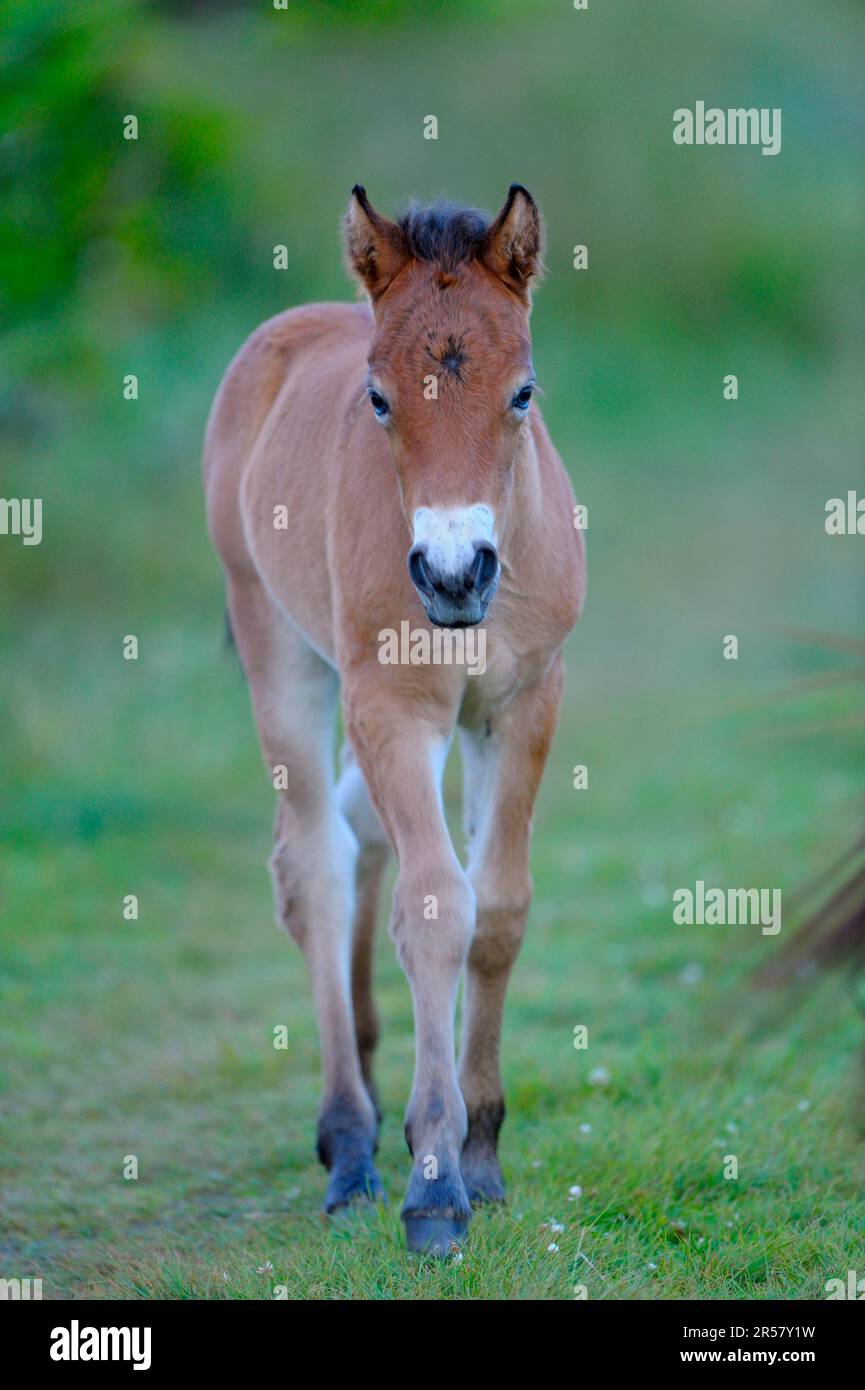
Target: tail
[(831, 908), (832, 932)]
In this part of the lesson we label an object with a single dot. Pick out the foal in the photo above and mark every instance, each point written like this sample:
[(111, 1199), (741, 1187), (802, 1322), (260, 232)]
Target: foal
[(367, 464)]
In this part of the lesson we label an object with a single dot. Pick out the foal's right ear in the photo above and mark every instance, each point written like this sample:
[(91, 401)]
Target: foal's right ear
[(375, 249)]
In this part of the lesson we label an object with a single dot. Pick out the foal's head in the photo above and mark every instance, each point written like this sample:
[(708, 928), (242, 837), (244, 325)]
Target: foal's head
[(450, 380)]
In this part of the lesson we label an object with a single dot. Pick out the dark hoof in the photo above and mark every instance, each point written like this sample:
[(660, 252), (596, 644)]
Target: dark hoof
[(479, 1165), (436, 1210), (435, 1235), (345, 1147), (484, 1189), (352, 1184), (483, 1178)]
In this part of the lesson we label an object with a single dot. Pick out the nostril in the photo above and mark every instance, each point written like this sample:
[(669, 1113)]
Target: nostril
[(418, 571), (483, 568)]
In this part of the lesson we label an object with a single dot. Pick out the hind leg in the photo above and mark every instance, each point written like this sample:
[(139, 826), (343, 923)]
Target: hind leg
[(312, 865), (373, 849)]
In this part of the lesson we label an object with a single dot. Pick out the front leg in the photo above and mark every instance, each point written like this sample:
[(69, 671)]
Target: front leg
[(402, 756), (503, 764)]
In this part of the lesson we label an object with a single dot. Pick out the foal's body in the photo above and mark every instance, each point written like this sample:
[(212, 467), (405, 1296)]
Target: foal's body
[(291, 427)]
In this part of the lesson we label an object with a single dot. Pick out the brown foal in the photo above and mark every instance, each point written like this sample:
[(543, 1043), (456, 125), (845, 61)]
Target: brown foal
[(367, 466)]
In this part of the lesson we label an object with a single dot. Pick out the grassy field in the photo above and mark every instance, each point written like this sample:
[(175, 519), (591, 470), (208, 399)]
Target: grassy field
[(154, 1037)]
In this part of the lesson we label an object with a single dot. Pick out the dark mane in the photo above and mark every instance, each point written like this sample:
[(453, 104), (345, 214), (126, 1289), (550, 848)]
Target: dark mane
[(444, 233)]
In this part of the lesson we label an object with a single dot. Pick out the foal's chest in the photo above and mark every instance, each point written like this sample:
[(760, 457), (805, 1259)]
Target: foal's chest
[(504, 672)]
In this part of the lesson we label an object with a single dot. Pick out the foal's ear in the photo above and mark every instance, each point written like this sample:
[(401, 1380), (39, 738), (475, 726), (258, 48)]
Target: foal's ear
[(514, 243), (375, 249)]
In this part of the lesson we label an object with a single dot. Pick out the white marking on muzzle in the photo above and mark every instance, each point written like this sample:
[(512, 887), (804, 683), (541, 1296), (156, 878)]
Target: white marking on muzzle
[(451, 535)]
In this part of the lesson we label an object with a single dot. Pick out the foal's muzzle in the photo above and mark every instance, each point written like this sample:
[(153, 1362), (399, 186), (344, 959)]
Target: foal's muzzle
[(460, 599)]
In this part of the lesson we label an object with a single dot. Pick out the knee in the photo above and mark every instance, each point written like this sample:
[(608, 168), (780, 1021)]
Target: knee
[(312, 870), (287, 890), (434, 913), (501, 925)]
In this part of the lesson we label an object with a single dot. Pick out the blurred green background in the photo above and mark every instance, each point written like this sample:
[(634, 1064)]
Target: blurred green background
[(155, 257)]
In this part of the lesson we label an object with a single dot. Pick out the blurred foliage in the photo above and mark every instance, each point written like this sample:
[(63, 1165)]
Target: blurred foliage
[(241, 107), (155, 255), (89, 217)]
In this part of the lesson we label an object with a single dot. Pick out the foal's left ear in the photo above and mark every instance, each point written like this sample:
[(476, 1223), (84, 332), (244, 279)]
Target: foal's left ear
[(514, 243), (375, 248)]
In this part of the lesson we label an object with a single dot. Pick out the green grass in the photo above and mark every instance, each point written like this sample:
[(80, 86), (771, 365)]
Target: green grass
[(154, 1038)]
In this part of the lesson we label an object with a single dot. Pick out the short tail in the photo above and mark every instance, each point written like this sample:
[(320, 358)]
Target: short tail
[(832, 931)]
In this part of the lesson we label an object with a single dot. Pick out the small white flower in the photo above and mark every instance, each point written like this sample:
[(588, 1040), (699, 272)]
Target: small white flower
[(458, 1257), (266, 1268), (575, 1191), (691, 974), (599, 1077), (652, 1265), (225, 1276), (552, 1248), (804, 1104), (536, 1163), (556, 1227), (732, 1127), (585, 1129)]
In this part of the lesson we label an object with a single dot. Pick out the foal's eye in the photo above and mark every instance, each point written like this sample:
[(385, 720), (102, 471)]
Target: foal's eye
[(379, 404), (522, 398)]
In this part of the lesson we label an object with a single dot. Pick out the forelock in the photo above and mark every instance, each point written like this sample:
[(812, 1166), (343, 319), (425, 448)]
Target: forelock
[(445, 234)]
